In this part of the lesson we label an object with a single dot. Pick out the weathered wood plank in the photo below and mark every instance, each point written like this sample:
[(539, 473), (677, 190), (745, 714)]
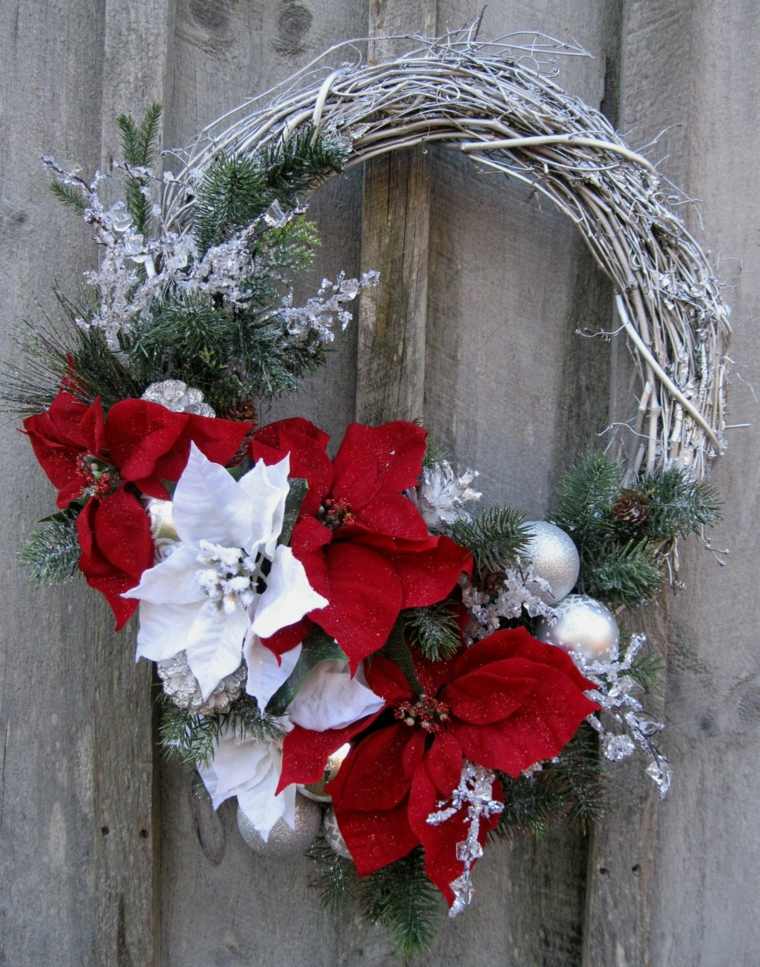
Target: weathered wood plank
[(76, 853), (221, 903), (395, 241), (689, 896)]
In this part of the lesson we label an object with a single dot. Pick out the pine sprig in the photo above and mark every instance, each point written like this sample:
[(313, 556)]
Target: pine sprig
[(627, 574), (51, 555), (585, 497), (496, 538), (69, 195), (678, 506), (434, 631), (334, 877), (138, 143), (236, 190), (191, 738), (402, 899)]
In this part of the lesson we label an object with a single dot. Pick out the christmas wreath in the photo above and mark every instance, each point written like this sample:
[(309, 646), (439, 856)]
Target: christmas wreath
[(347, 629)]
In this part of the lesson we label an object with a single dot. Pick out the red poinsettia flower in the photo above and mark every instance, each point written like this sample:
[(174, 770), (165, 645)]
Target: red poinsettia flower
[(364, 544), (507, 703), (91, 458)]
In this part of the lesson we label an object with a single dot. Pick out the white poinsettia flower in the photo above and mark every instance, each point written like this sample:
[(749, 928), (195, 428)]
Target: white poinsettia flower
[(250, 770), (226, 572), (266, 672), (331, 699)]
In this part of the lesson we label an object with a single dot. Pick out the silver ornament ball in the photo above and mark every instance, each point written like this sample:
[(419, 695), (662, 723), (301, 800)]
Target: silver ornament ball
[(284, 841), (584, 625), (554, 557), (333, 835)]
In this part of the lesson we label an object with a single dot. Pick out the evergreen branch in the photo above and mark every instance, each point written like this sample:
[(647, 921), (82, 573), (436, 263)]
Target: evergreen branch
[(496, 538), (335, 876), (187, 737), (51, 555), (678, 506), (627, 575), (69, 195), (434, 631), (585, 497), (138, 142), (402, 899)]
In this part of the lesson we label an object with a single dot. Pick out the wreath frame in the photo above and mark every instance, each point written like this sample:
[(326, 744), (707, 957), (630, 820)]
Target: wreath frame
[(512, 118)]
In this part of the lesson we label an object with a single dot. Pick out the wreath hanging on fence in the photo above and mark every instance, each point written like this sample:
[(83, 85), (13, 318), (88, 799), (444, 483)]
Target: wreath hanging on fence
[(348, 630)]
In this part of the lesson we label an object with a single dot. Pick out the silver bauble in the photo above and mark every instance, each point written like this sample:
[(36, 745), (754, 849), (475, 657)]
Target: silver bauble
[(181, 686), (178, 397), (584, 625), (554, 557), (316, 790), (282, 840), (333, 835)]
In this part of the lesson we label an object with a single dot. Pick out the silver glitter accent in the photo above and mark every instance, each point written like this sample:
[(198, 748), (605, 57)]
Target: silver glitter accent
[(554, 557), (521, 590), (441, 495), (475, 791), (181, 686), (622, 725), (178, 397)]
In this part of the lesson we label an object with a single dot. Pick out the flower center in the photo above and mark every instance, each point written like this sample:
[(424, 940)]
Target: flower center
[(100, 479), (230, 577), (335, 512), (427, 713)]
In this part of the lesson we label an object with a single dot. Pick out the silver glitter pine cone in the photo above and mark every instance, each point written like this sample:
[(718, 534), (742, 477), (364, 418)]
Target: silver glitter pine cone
[(284, 841), (333, 835), (181, 686), (554, 557), (582, 624), (178, 397)]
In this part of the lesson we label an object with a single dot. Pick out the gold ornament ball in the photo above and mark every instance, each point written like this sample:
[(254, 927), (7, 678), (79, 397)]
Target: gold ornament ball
[(333, 836), (554, 557), (316, 790), (584, 625), (284, 841)]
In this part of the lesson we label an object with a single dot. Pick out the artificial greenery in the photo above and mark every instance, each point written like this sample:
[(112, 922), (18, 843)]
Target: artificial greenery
[(496, 538), (191, 738), (236, 190), (399, 897), (571, 787), (51, 554), (138, 145), (624, 532), (434, 631)]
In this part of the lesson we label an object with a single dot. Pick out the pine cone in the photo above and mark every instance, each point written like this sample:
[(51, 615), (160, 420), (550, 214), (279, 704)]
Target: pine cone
[(243, 410), (181, 686), (631, 507)]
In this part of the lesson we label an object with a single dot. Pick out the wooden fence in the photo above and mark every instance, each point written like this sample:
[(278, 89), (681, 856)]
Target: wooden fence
[(106, 855)]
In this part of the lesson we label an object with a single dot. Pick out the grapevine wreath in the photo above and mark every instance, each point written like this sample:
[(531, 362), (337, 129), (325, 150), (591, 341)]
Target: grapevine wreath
[(345, 644)]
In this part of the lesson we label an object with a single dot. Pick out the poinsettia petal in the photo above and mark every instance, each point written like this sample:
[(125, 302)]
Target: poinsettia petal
[(386, 678), (430, 576), (266, 672), (393, 515), (305, 753), (164, 629), (249, 769), (262, 493), (287, 638), (214, 645), (375, 839), (372, 777), (495, 691), (173, 580), (365, 598), (207, 504), (377, 460), (331, 699), (307, 446), (444, 763), (288, 595), (138, 433)]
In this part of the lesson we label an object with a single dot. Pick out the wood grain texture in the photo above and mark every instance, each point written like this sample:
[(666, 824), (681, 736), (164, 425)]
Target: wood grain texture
[(395, 242), (691, 68), (76, 783), (221, 904)]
